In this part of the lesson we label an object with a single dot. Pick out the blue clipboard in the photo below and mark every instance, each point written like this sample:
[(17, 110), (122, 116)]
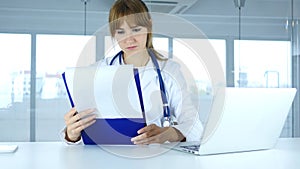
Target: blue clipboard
[(112, 131), (109, 131)]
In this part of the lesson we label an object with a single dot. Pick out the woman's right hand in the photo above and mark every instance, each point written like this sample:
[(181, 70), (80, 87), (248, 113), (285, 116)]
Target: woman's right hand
[(76, 122)]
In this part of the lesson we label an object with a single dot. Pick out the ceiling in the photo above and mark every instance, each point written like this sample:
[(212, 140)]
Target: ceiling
[(253, 8), (219, 18)]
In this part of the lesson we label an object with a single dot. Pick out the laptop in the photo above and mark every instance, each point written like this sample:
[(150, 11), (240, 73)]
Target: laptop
[(250, 119)]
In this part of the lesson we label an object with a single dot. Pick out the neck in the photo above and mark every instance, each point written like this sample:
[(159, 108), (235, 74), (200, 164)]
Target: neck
[(138, 59)]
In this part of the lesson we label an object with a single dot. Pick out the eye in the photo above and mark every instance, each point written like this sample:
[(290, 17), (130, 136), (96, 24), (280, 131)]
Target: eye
[(137, 29), (120, 31)]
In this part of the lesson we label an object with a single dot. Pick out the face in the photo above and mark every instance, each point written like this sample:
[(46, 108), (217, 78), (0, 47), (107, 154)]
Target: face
[(131, 39)]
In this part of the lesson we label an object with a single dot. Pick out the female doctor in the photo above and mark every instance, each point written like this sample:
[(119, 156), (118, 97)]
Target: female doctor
[(176, 119)]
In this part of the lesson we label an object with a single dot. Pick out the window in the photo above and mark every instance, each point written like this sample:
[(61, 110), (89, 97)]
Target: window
[(15, 54), (54, 53), (183, 51), (200, 86), (262, 63), (161, 45)]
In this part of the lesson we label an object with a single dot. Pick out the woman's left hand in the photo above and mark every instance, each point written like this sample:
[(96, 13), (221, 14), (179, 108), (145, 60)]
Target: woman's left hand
[(154, 134)]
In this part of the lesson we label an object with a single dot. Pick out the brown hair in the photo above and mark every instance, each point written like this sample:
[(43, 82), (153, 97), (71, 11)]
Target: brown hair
[(134, 12)]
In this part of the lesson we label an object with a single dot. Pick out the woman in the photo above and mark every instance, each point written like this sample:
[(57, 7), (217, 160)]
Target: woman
[(131, 26)]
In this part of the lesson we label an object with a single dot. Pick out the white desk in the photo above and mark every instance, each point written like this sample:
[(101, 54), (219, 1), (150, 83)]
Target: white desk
[(56, 155)]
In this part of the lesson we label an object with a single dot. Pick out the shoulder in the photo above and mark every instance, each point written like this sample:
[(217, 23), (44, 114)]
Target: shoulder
[(174, 71), (169, 65), (171, 71)]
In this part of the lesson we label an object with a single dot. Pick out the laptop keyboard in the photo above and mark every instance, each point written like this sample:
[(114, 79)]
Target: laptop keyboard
[(194, 147)]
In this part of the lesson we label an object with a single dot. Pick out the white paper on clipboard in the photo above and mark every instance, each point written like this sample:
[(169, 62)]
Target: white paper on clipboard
[(109, 89)]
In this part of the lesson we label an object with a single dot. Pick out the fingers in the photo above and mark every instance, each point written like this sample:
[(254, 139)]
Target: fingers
[(73, 117), (82, 123), (150, 134), (149, 140), (77, 127), (76, 122), (70, 114), (147, 128)]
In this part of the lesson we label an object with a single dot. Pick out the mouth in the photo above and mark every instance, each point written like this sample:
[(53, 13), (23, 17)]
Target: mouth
[(131, 47)]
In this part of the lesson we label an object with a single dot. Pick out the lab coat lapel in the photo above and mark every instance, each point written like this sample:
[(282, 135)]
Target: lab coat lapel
[(149, 74)]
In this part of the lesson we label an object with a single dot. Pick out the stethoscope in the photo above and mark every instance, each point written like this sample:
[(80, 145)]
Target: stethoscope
[(166, 120)]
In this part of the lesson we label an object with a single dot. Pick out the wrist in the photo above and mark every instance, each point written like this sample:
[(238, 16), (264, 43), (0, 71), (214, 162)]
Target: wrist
[(71, 139), (176, 135)]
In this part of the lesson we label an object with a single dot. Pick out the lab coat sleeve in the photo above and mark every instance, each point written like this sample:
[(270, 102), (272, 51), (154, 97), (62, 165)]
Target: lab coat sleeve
[(62, 137), (181, 104)]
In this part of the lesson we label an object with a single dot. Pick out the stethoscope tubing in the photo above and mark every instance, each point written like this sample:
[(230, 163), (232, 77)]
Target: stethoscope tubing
[(166, 110)]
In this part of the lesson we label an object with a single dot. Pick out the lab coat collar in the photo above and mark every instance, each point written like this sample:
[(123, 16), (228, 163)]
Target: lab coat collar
[(149, 73)]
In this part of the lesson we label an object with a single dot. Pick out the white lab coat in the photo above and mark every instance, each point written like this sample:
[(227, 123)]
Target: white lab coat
[(181, 106)]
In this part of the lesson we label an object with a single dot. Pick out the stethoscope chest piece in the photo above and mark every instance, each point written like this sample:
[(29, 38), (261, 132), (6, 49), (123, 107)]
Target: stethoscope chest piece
[(166, 122)]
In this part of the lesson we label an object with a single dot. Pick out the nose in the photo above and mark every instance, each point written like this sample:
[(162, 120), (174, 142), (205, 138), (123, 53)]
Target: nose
[(129, 38)]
